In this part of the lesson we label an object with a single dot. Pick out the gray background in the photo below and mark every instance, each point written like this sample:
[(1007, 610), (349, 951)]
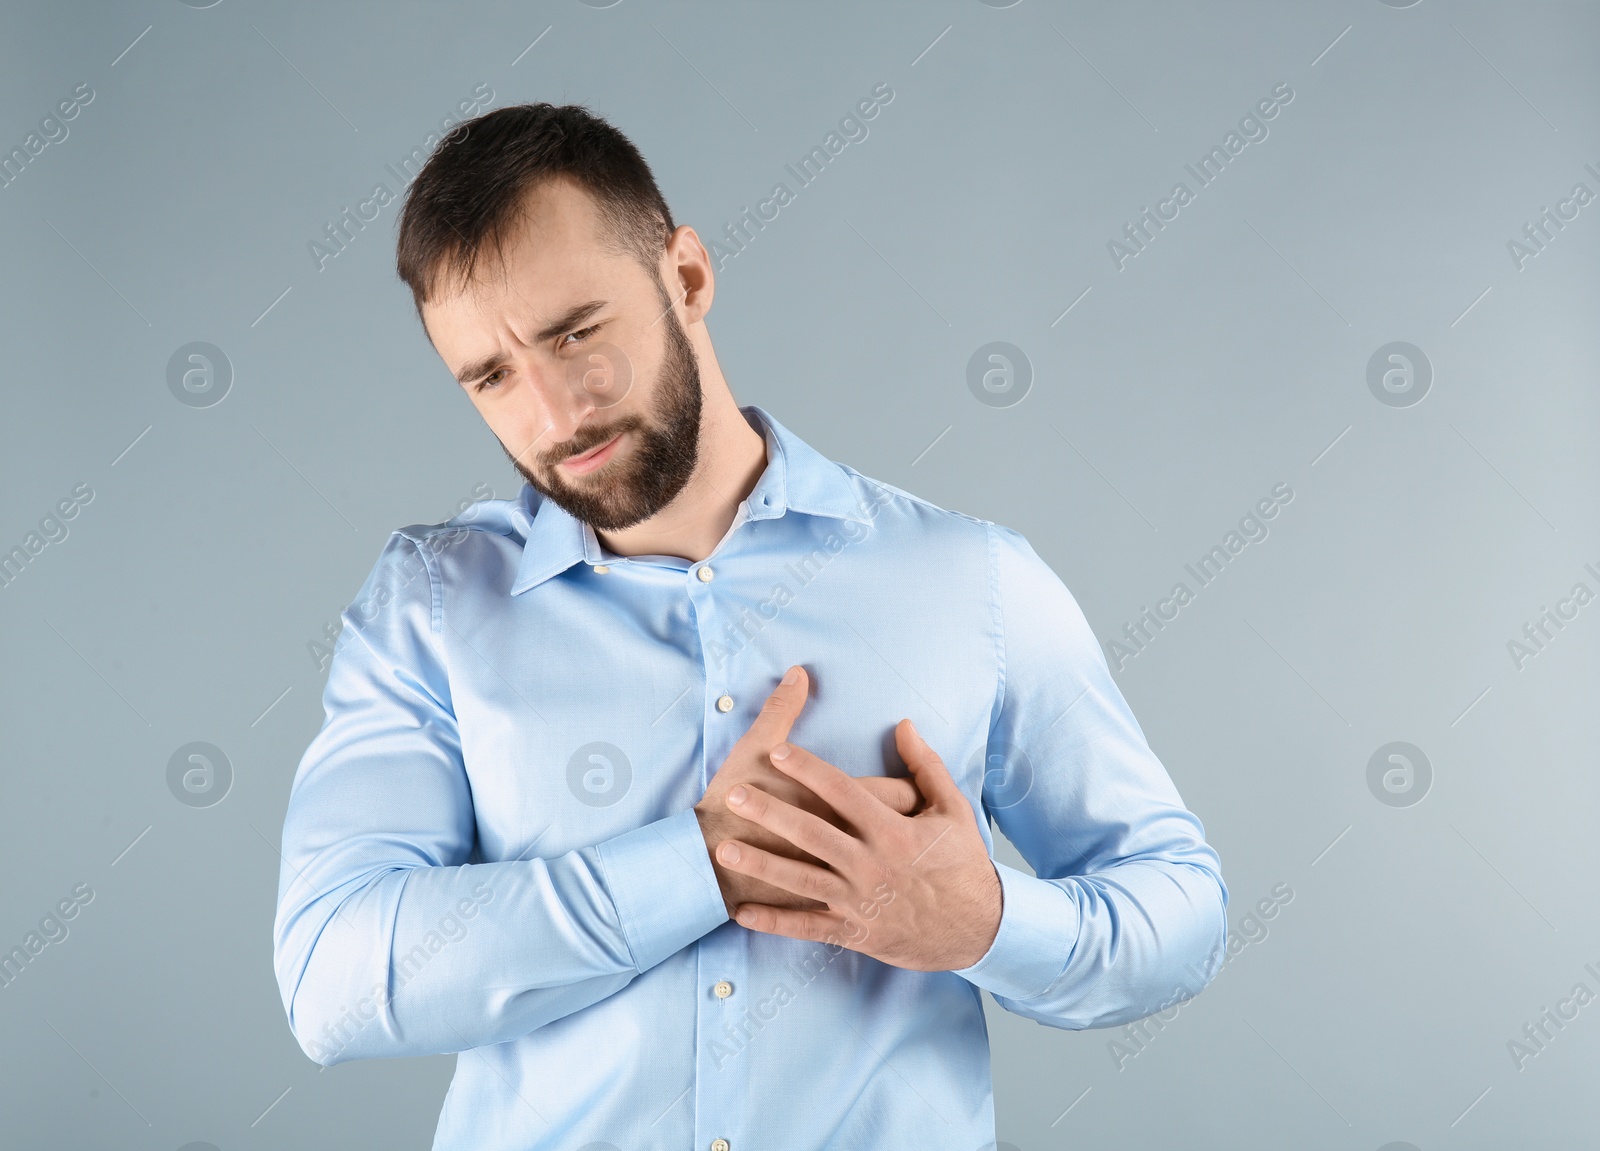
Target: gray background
[(1167, 398)]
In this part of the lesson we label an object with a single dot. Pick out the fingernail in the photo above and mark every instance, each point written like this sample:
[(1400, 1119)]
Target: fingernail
[(791, 675), (746, 917), (737, 795), (730, 853), (781, 751)]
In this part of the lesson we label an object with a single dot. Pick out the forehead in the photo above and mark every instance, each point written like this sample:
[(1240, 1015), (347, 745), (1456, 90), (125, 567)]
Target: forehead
[(555, 252)]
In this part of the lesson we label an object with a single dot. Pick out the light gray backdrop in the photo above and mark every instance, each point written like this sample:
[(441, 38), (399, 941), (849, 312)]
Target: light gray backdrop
[(1424, 910)]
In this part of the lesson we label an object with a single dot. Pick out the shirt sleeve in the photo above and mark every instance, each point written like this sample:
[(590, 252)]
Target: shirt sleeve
[(387, 942), (1126, 912)]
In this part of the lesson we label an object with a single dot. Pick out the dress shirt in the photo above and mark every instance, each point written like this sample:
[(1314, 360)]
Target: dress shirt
[(490, 846)]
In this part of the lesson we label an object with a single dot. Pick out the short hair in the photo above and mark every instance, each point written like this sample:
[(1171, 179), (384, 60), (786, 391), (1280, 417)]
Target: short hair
[(474, 188)]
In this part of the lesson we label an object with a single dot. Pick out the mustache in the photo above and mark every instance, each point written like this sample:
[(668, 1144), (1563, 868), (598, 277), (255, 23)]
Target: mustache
[(580, 444)]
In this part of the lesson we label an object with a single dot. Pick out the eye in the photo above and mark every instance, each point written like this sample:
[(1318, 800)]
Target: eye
[(581, 334), (489, 382)]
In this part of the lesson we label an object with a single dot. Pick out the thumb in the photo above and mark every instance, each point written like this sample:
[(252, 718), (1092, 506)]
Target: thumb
[(783, 707), (933, 779)]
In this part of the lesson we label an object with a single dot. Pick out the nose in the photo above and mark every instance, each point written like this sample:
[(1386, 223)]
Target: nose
[(564, 408)]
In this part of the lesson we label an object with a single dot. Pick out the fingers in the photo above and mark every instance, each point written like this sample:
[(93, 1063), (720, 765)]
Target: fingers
[(899, 795), (808, 832), (933, 779), (727, 823), (746, 889), (802, 879), (783, 707), (838, 790), (816, 926)]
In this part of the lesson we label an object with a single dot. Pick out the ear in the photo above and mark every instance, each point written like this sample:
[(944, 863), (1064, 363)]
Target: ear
[(688, 275)]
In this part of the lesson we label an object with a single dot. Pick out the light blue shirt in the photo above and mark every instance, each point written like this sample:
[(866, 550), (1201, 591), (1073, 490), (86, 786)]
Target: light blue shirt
[(490, 846)]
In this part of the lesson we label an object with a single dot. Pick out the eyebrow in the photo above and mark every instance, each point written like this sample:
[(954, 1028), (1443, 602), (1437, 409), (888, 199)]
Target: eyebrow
[(571, 318)]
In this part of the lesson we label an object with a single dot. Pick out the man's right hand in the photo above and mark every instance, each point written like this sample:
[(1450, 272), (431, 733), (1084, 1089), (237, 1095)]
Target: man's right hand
[(748, 763)]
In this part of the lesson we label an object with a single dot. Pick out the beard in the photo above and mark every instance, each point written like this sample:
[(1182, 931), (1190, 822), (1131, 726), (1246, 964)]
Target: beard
[(634, 486)]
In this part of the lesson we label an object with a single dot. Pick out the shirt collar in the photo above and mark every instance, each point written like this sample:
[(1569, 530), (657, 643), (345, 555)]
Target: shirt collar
[(797, 478)]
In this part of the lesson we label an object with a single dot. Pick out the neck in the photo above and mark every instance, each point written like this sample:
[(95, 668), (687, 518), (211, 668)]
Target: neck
[(732, 456)]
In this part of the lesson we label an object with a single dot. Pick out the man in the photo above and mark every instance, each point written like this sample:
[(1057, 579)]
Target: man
[(609, 797)]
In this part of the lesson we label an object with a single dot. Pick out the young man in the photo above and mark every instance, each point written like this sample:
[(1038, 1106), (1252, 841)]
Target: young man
[(608, 795)]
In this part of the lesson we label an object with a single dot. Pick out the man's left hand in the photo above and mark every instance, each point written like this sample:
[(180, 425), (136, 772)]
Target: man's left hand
[(917, 891)]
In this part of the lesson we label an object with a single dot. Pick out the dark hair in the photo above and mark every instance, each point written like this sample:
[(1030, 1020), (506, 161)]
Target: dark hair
[(474, 187)]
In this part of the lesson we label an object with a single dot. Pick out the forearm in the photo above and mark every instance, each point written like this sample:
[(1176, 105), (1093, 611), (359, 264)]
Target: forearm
[(414, 960), (1108, 947), (1130, 912)]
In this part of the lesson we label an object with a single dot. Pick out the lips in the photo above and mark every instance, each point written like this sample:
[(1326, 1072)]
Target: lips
[(593, 458)]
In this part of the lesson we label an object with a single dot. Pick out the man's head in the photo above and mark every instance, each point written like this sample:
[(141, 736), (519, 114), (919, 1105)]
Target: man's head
[(535, 242)]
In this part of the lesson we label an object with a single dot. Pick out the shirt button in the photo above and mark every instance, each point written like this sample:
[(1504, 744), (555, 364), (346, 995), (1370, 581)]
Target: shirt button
[(723, 989), (719, 1145), (725, 703), (601, 569), (705, 574)]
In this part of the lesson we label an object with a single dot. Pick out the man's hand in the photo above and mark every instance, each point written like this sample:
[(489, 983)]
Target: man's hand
[(748, 763), (917, 892)]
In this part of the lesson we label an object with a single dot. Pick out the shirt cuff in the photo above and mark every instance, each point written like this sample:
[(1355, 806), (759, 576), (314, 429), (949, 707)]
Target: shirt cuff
[(663, 886), (1038, 929)]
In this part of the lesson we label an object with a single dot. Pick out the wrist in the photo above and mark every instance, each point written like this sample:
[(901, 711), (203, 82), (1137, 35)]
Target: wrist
[(711, 833), (994, 909)]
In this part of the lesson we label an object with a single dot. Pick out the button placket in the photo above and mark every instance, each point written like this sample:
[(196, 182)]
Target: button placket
[(722, 1068)]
